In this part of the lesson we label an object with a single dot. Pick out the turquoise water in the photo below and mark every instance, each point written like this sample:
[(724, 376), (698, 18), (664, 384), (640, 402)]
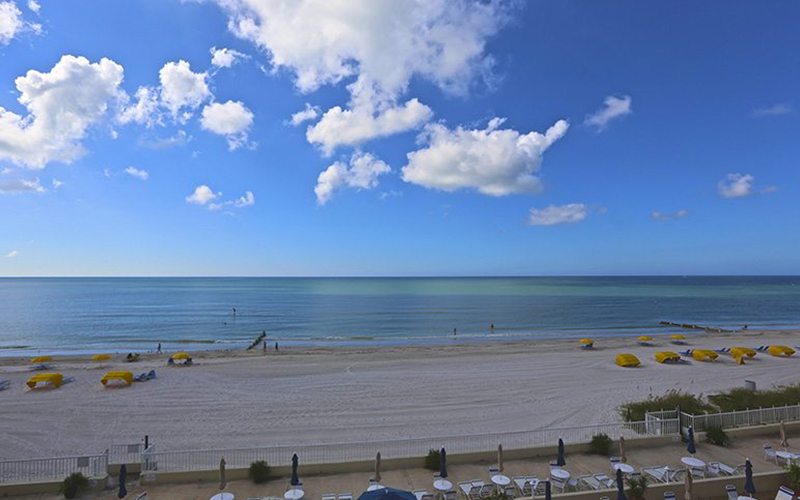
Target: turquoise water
[(58, 315)]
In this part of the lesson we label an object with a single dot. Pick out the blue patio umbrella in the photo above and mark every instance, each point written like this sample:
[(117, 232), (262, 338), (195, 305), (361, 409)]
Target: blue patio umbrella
[(548, 492), (749, 487), (620, 486), (690, 447), (295, 480), (387, 494), (123, 476), (443, 463), (560, 460)]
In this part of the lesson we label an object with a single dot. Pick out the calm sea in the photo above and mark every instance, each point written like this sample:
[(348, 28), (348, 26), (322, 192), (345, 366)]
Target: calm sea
[(58, 315)]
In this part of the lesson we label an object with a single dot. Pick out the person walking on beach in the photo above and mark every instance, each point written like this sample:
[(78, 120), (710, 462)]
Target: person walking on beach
[(159, 348), (265, 346), (455, 332), (491, 327)]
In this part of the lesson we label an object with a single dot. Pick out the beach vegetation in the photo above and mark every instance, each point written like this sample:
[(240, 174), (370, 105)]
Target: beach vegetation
[(637, 487), (499, 495), (73, 484), (634, 411), (433, 460), (793, 475), (716, 435), (259, 472), (743, 399), (600, 444)]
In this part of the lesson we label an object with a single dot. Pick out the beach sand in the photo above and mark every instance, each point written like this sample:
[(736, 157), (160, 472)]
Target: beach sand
[(248, 399)]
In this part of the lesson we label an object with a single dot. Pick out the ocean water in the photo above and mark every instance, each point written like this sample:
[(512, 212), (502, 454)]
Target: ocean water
[(84, 315)]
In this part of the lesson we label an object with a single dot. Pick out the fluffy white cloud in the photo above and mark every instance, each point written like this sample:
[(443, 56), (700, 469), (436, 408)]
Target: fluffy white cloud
[(558, 214), (362, 172), (181, 87), (62, 104), (231, 119), (354, 126), (11, 22), (202, 195), (138, 173), (34, 6), (248, 199), (144, 111), (56, 183), (17, 186), (736, 185), (776, 110), (678, 214), (493, 161), (309, 113), (225, 58), (12, 254), (613, 107)]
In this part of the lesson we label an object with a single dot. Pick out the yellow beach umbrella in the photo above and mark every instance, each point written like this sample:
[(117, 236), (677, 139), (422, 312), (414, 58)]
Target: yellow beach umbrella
[(587, 343), (180, 355), (41, 359), (101, 357), (677, 336)]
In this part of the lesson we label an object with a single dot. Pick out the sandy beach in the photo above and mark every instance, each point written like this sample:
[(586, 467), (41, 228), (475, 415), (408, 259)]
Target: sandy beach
[(247, 399)]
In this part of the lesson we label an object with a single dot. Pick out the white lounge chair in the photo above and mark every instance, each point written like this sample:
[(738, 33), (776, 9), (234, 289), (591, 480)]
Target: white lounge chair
[(784, 493), (730, 490), (450, 495), (345, 496), (559, 484), (465, 487), (510, 491), (605, 481), (669, 495), (331, 496), (660, 474), (769, 454), (590, 481)]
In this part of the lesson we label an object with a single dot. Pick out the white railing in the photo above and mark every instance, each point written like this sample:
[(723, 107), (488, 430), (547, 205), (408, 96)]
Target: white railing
[(744, 418), (195, 460), (125, 453), (53, 469)]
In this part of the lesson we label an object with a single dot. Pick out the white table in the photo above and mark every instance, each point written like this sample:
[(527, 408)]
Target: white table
[(294, 494), (559, 474), (693, 462), (442, 485), (625, 468), (373, 487), (223, 496), (501, 480)]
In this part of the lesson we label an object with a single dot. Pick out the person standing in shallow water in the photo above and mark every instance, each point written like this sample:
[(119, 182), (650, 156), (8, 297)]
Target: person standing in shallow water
[(159, 348), (455, 332)]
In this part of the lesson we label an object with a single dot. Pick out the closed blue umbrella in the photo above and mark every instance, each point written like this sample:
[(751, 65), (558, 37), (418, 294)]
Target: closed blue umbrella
[(387, 494), (620, 486), (548, 492), (560, 460), (295, 461), (749, 487), (443, 463), (690, 447), (123, 476)]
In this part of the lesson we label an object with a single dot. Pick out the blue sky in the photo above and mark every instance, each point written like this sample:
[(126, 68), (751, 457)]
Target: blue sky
[(439, 138)]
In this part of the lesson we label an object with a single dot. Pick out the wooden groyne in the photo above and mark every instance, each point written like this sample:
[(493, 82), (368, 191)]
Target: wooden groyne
[(688, 326), (258, 340)]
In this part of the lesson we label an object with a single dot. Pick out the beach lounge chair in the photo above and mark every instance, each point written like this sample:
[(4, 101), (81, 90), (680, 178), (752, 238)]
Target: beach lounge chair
[(589, 481), (660, 474), (559, 484), (4, 384), (510, 491), (669, 495), (730, 490), (331, 496), (784, 493), (727, 469), (645, 340), (465, 487), (345, 496), (417, 493), (450, 495), (698, 472), (762, 348), (487, 490), (428, 496), (769, 454), (605, 481)]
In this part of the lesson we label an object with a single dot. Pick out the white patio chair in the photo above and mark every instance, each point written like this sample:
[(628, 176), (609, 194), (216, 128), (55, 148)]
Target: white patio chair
[(730, 490), (465, 487), (419, 494), (345, 496), (784, 493)]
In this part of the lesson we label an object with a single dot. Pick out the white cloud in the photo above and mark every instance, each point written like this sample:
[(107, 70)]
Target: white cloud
[(678, 214), (354, 126), (225, 58), (107, 173), (138, 173), (775, 110), (736, 185), (11, 22), (17, 186), (309, 113), (558, 214), (62, 104), (144, 111), (378, 46), (202, 195), (493, 161), (362, 172), (246, 200), (56, 183), (34, 6), (179, 138), (12, 254), (613, 107), (231, 119), (181, 87)]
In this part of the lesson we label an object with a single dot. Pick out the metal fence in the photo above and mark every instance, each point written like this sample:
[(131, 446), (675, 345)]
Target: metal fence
[(154, 460), (744, 418), (125, 453), (53, 469)]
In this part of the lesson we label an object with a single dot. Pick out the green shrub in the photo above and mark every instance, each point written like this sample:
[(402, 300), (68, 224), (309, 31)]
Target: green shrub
[(634, 411), (433, 460), (600, 445), (716, 435), (73, 484), (742, 399), (793, 473), (259, 472), (637, 487)]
